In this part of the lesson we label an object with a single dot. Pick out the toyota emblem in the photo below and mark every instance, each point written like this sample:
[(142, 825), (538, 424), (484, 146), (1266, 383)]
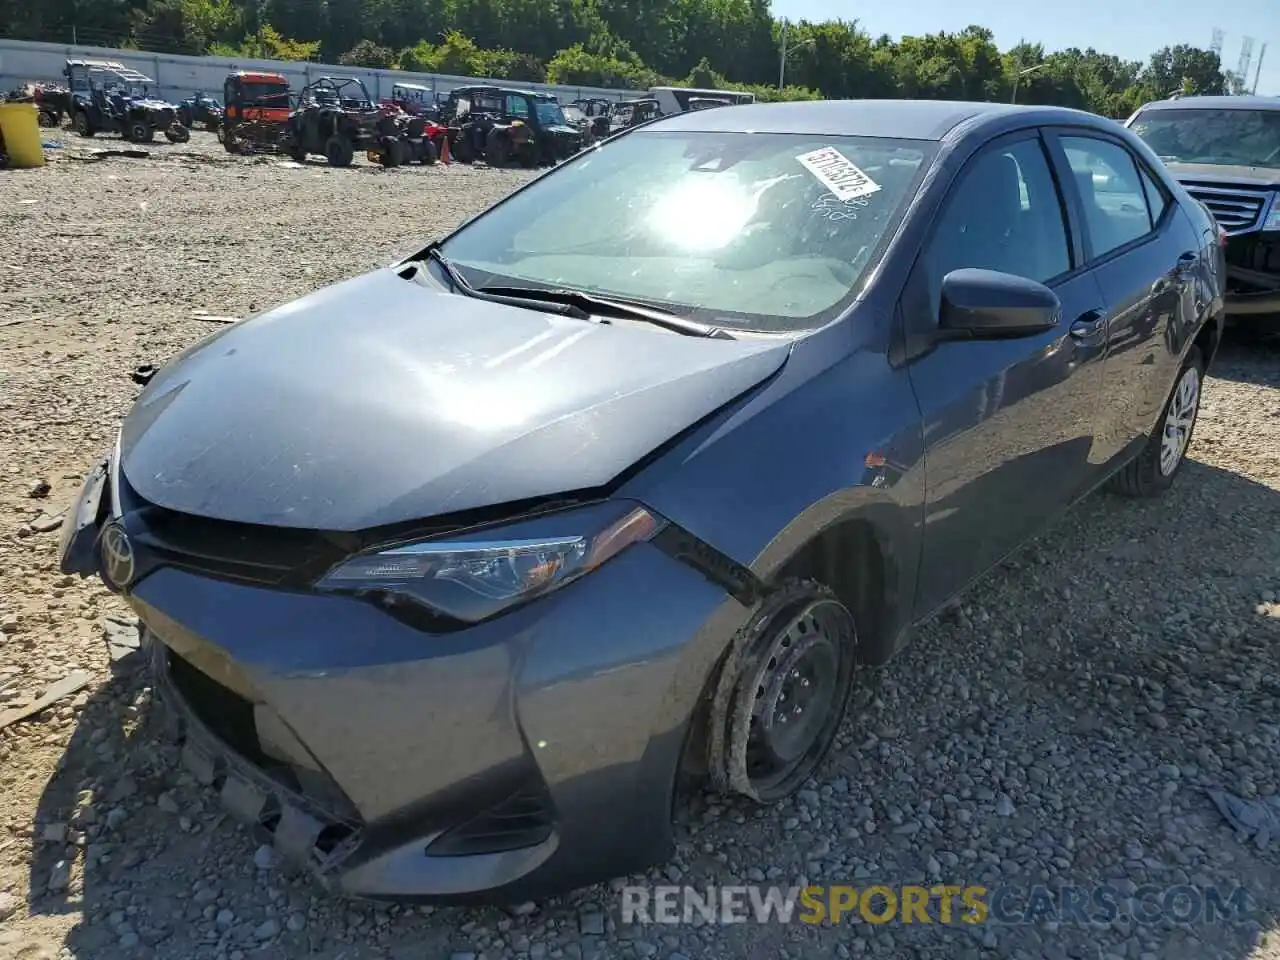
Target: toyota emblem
[(117, 556)]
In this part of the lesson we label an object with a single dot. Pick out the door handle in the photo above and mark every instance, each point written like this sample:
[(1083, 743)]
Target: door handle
[(1089, 325), (1185, 264)]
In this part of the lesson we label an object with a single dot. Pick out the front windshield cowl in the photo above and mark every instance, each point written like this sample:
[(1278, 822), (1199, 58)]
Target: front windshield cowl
[(746, 232)]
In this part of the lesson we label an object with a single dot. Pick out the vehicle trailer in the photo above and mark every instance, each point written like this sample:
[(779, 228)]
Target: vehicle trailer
[(673, 100)]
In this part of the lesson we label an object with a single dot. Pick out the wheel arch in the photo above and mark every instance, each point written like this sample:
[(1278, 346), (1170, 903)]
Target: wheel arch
[(859, 543), (1209, 338)]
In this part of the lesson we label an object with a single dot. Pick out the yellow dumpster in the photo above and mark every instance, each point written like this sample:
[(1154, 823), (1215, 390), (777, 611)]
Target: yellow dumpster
[(21, 132)]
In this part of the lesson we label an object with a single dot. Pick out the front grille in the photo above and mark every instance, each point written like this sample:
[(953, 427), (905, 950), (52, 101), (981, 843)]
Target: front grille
[(241, 552), (522, 820), (1236, 210)]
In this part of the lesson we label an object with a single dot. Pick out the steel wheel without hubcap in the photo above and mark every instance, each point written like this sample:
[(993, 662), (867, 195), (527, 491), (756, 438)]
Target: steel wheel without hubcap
[(795, 695), (1179, 421)]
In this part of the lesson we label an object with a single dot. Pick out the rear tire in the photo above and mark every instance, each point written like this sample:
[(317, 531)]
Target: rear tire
[(497, 152), (141, 131), (1152, 472)]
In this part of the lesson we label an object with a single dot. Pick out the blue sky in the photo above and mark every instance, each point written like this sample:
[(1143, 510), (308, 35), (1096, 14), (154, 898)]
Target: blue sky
[(1127, 28)]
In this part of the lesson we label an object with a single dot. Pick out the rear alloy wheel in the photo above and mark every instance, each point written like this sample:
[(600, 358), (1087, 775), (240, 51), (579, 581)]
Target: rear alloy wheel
[(1152, 471), (783, 692)]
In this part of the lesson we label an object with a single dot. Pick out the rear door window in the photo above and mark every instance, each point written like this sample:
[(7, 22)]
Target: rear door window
[(1111, 190)]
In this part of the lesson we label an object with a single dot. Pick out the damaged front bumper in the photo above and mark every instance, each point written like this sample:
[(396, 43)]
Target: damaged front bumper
[(516, 759), (1253, 274)]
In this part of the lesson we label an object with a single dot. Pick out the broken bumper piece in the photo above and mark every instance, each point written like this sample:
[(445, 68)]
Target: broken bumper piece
[(295, 826)]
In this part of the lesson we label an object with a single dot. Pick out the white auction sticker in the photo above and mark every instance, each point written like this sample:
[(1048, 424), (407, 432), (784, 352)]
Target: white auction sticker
[(839, 173)]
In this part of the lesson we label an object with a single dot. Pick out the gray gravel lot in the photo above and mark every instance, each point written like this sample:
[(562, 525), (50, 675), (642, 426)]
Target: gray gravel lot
[(1059, 726)]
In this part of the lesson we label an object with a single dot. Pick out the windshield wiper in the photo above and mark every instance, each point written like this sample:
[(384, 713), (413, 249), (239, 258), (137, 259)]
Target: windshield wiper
[(610, 306), (461, 285)]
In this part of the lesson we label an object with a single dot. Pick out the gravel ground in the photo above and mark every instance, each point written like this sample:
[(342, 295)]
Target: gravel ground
[(1058, 726)]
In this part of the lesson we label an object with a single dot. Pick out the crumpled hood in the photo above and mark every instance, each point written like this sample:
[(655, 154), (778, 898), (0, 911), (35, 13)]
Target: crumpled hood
[(377, 401), (1245, 176)]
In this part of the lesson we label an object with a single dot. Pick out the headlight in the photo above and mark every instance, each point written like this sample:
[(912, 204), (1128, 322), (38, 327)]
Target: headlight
[(1273, 218), (474, 576)]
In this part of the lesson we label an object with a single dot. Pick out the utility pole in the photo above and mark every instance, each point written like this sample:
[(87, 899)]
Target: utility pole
[(784, 51), (1258, 72), (782, 57)]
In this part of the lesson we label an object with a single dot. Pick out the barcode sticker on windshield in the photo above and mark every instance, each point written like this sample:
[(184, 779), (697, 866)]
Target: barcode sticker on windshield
[(838, 173)]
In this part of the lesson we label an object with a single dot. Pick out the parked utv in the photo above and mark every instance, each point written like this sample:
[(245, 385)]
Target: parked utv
[(256, 111), (200, 109), (598, 110), (504, 126), (334, 118), (631, 113), (108, 97)]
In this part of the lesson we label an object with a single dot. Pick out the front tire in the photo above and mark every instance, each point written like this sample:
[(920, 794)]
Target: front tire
[(339, 152), (1152, 472), (80, 124), (782, 692)]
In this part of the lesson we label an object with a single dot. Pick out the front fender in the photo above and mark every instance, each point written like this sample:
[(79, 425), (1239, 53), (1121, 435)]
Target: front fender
[(835, 437)]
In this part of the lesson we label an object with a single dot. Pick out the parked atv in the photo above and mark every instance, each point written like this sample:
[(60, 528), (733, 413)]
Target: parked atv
[(415, 139), (108, 97), (334, 118), (200, 109), (51, 101), (54, 103)]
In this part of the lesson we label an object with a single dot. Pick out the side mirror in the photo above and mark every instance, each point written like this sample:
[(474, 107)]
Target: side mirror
[(987, 304)]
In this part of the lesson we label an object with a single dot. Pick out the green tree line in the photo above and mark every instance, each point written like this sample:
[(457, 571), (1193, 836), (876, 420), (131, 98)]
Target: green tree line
[(629, 44)]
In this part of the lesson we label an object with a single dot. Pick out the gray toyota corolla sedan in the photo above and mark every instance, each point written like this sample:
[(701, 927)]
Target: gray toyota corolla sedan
[(454, 571)]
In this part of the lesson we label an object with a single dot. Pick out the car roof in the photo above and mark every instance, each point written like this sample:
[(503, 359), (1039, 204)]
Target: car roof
[(1215, 103), (258, 75), (902, 119)]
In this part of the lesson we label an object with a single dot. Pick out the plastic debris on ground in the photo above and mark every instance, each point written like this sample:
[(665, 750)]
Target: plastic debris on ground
[(1259, 819)]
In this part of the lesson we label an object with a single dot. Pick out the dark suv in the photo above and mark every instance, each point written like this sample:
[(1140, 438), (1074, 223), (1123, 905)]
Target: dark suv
[(1226, 152)]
